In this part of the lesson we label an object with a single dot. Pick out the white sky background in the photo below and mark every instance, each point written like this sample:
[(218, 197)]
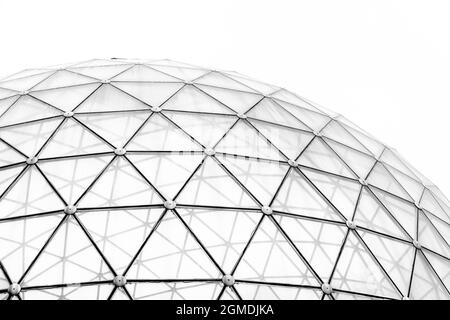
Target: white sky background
[(385, 65)]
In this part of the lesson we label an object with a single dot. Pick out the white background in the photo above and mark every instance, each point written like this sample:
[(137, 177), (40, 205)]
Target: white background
[(383, 64)]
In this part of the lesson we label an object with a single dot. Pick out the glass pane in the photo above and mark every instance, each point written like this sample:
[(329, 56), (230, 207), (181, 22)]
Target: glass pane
[(117, 129), (239, 101), (119, 185), (319, 242), (109, 98), (160, 134), (29, 195), (167, 172), (144, 73), (358, 271), (68, 249), (154, 94), (290, 141), (217, 79), (244, 140), (172, 252), (27, 109), (66, 99), (270, 258), (298, 197), (191, 99), (202, 188), (261, 178), (224, 233), (120, 233), (206, 129)]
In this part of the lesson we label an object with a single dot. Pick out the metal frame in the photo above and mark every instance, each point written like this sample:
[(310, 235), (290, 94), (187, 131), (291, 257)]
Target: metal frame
[(300, 170)]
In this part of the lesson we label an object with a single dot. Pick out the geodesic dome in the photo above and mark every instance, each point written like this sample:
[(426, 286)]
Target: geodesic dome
[(123, 179)]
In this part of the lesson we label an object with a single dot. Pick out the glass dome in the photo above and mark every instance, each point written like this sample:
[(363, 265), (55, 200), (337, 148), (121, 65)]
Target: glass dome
[(126, 179)]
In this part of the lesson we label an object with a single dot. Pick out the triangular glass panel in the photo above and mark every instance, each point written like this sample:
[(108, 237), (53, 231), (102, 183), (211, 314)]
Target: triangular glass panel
[(271, 258), (172, 252), (342, 193), (101, 72), (269, 111), (314, 120), (159, 134), (120, 233), (389, 157), (31, 194), (440, 198), (109, 98), (120, 185), (172, 63), (21, 240), (218, 79), (262, 178), (69, 257), (27, 109), (257, 86), (320, 156), (207, 129), (213, 186), (73, 139), (98, 62), (425, 284), (290, 141), (8, 155), (167, 172), (66, 99), (116, 128), (296, 196), (441, 266), (25, 83), (223, 233), (382, 179), (26, 73), (404, 212), (360, 163), (371, 144), (187, 74), (7, 176), (6, 93), (413, 187), (396, 257), (29, 138), (239, 101), (153, 94), (73, 176), (335, 131), (429, 203), (6, 103), (189, 98), (319, 242), (244, 140), (441, 226), (292, 98), (358, 271), (144, 73), (430, 238), (371, 215), (63, 78)]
